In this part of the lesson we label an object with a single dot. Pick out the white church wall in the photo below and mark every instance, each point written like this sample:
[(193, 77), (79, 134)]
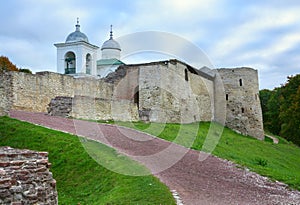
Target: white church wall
[(110, 54)]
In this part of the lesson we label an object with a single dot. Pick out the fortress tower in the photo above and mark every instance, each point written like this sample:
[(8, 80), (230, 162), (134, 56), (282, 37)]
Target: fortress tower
[(243, 112)]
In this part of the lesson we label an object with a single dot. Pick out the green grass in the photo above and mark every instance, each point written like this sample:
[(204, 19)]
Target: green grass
[(277, 161), (80, 179)]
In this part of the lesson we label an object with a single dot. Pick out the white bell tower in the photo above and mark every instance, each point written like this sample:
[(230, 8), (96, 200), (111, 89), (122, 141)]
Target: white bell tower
[(77, 56)]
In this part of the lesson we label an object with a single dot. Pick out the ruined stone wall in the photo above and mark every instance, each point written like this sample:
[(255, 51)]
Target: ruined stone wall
[(5, 93), (112, 99), (243, 111), (60, 106), (85, 107), (125, 81), (25, 178), (167, 91), (203, 91), (220, 104), (31, 92), (171, 93), (34, 92)]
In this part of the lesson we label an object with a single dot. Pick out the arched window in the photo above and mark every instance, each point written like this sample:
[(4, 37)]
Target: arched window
[(70, 63), (243, 110), (226, 97), (186, 77), (88, 61)]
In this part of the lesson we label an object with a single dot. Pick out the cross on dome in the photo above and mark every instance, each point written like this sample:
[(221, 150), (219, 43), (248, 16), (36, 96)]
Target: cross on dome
[(77, 25), (77, 35), (111, 33)]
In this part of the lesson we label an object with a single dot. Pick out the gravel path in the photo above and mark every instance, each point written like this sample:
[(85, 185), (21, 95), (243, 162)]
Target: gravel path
[(212, 181)]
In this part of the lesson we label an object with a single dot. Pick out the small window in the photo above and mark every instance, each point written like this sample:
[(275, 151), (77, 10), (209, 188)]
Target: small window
[(186, 77), (241, 82), (226, 97), (243, 110)]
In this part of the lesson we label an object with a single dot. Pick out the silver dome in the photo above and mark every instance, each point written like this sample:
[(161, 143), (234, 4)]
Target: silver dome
[(77, 36), (111, 44)]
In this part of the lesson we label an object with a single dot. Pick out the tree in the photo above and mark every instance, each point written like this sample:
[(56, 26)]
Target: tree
[(281, 109), (6, 65), (264, 96), (290, 110), (273, 110), (25, 70)]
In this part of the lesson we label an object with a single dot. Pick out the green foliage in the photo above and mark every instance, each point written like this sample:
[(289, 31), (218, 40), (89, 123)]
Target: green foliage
[(264, 96), (25, 70), (261, 162), (80, 179), (278, 161), (290, 110), (281, 109), (6, 64)]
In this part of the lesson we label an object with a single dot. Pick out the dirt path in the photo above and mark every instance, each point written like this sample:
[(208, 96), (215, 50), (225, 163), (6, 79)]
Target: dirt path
[(213, 181), (275, 139)]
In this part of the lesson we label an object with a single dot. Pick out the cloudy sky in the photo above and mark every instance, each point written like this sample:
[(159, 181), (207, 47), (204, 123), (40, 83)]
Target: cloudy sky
[(263, 34)]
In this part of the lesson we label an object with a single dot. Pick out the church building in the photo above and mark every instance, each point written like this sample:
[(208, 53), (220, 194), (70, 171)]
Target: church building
[(79, 58)]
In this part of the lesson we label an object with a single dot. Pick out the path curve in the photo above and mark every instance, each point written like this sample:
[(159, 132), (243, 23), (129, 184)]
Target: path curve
[(213, 181)]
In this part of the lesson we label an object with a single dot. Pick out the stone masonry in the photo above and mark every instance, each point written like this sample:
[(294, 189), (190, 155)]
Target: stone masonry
[(25, 178), (244, 112), (5, 93), (60, 106)]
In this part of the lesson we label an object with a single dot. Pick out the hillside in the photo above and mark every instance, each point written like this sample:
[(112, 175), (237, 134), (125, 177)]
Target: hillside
[(211, 181), (80, 180), (277, 161)]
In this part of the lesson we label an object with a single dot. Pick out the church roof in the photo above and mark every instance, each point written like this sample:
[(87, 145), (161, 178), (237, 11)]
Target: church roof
[(111, 43), (112, 61), (77, 35)]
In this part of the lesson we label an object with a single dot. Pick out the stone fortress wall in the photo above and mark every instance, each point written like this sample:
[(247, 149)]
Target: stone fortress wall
[(5, 92), (25, 178), (170, 92), (166, 91)]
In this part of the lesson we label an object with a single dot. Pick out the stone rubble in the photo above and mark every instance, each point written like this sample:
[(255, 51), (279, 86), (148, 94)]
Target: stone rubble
[(25, 178), (177, 197), (60, 106)]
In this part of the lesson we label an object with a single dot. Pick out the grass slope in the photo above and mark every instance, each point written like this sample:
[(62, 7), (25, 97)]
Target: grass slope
[(80, 179), (277, 161)]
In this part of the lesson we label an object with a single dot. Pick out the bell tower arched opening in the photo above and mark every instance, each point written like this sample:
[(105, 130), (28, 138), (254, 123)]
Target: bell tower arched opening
[(70, 63), (88, 61)]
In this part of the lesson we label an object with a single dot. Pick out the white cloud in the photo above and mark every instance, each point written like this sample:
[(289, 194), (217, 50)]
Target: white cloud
[(251, 31), (261, 34)]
